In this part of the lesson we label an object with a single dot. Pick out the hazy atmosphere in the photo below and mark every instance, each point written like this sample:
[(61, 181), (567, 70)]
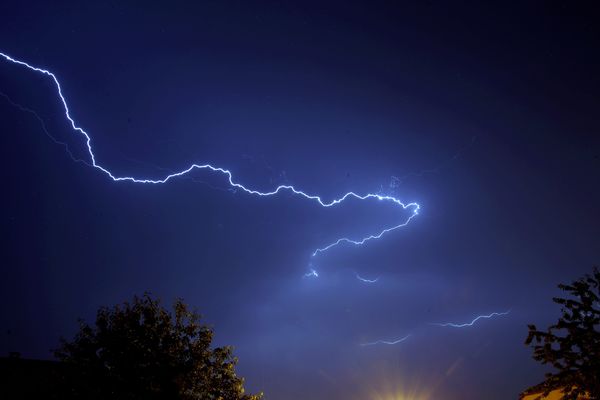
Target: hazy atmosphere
[(481, 120)]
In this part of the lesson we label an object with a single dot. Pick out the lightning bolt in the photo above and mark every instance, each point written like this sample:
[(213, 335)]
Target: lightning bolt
[(312, 274), (388, 342), (453, 325), (413, 207), (415, 211), (366, 280)]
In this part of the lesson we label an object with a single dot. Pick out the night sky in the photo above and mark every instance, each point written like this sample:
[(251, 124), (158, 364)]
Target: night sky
[(487, 116)]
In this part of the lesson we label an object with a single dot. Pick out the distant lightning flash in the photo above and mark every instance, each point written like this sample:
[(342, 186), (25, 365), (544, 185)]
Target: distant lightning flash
[(312, 274), (360, 278), (388, 342), (453, 325), (413, 207)]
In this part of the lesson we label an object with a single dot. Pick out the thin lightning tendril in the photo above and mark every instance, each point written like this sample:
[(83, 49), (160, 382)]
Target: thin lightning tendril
[(453, 325), (360, 278), (312, 274), (414, 207), (388, 342), (44, 128)]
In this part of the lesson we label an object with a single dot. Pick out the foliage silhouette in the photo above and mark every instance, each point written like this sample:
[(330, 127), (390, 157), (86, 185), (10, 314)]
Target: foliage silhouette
[(140, 350), (572, 345)]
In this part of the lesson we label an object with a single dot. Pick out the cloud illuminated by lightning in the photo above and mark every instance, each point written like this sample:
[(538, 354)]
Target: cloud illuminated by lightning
[(366, 280), (453, 325), (388, 342), (413, 207)]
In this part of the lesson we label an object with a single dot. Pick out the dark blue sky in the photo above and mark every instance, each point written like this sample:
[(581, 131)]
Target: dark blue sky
[(488, 114)]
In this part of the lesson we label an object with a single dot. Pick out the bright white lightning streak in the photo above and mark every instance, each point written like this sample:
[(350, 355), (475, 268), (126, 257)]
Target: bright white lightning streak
[(412, 206), (453, 325), (388, 342), (366, 280), (312, 274), (362, 241)]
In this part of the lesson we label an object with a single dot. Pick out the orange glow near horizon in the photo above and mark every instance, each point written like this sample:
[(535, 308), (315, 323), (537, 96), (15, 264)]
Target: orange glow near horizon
[(397, 389)]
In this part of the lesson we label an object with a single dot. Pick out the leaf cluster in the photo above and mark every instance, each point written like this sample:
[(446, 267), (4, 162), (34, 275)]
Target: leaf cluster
[(140, 350), (572, 345)]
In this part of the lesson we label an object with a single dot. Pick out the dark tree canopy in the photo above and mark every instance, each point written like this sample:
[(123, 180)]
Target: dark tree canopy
[(572, 345), (140, 350)]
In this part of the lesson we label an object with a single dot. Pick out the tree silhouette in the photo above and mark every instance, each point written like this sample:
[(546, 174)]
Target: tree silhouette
[(140, 350), (572, 345)]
